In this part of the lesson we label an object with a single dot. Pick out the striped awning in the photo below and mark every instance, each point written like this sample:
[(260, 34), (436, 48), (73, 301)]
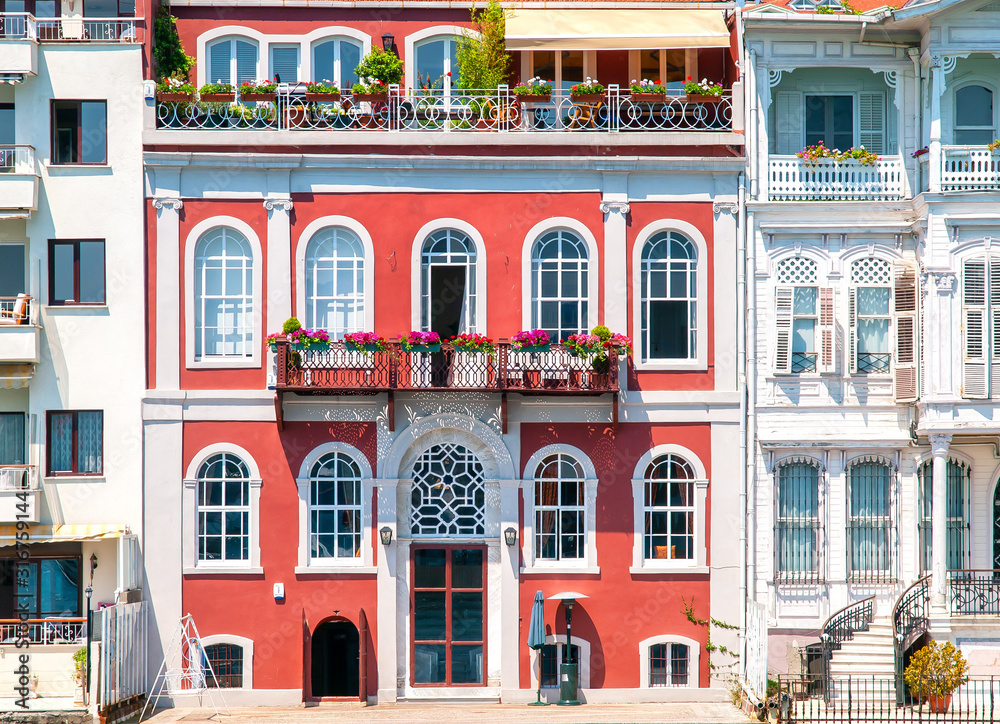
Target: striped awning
[(16, 376), (62, 533), (12, 78)]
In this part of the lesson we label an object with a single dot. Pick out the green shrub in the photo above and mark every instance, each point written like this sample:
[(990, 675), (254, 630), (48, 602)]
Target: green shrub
[(291, 325), (381, 65), (936, 670), (483, 59), (169, 57)]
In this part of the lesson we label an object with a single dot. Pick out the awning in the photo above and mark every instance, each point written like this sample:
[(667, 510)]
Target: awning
[(62, 533), (616, 29), (16, 376), (12, 78)]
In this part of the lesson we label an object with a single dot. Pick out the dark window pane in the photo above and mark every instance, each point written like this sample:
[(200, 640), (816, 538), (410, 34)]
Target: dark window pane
[(467, 569), (429, 568), (429, 663), (11, 264), (467, 664), (429, 620), (94, 137), (61, 441), (92, 272), (973, 106), (467, 617), (60, 587), (12, 448), (67, 126), (100, 8), (668, 329), (7, 121), (63, 273)]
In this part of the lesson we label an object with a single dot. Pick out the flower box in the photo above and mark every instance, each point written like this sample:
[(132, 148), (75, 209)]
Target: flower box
[(217, 97), (540, 98), (695, 98), (174, 97), (322, 96), (319, 346), (587, 97), (367, 348), (534, 348), (424, 348), (648, 97), (370, 97), (258, 97)]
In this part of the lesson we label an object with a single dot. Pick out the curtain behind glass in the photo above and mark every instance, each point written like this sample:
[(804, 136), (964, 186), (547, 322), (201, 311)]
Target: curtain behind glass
[(12, 449), (90, 441), (870, 517)]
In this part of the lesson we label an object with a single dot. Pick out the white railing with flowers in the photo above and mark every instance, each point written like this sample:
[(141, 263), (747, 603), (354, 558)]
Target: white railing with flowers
[(17, 26), (790, 178), (967, 168), (82, 30), (470, 111), (17, 159)]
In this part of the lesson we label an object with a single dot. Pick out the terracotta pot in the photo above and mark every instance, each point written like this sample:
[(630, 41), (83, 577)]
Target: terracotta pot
[(174, 97), (939, 704), (695, 98), (535, 99), (258, 97), (370, 97), (587, 97), (322, 96), (217, 97), (648, 97)]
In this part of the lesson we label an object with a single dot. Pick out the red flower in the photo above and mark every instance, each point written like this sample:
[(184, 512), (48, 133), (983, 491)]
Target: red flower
[(689, 77), (448, 74)]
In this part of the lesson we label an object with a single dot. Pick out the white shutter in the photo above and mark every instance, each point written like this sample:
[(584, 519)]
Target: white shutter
[(219, 63), (788, 123), (246, 61), (285, 64), (905, 322), (783, 330), (871, 128), (974, 328), (994, 317), (827, 351), (852, 328)]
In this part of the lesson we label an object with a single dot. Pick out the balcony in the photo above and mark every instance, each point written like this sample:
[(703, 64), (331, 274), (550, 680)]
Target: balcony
[(18, 178), (974, 592), (790, 178), (19, 341), (87, 30), (18, 45), (969, 168), (18, 494), (478, 112), (44, 631)]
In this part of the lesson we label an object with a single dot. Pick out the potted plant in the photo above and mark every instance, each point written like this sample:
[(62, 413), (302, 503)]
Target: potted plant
[(473, 343), (590, 91), (258, 91), (312, 339), (534, 90), (176, 88), (422, 342), (934, 672), (322, 91), (816, 154), (646, 91), (376, 72), (367, 342), (703, 91), (79, 664), (369, 90), (217, 93), (533, 341)]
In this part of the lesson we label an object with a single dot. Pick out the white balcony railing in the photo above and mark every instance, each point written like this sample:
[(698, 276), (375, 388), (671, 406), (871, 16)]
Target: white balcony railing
[(17, 159), (15, 310), (790, 178), (17, 26), (48, 631), (968, 168), (17, 478), (94, 30)]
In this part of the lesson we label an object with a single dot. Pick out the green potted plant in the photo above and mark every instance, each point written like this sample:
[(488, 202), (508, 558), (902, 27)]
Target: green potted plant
[(366, 342), (703, 91), (258, 91), (422, 342), (217, 93), (532, 341), (79, 674), (369, 90), (322, 91), (376, 72), (647, 91), (590, 91), (816, 154), (175, 88), (934, 672), (534, 90)]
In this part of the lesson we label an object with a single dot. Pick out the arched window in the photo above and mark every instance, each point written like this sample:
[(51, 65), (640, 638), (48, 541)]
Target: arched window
[(957, 515), (559, 285), (974, 116), (669, 297), (448, 283), (669, 664), (797, 526), (437, 63), (226, 662), (669, 508), (223, 509), (232, 61), (335, 59), (871, 523), (223, 295), (560, 509), (335, 507), (448, 496), (335, 293)]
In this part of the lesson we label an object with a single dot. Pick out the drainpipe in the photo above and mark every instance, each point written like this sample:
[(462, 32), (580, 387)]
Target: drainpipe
[(914, 54), (741, 366), (749, 523)]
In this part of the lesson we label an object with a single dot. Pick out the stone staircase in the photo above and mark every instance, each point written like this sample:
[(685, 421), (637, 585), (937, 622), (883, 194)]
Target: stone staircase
[(870, 653)]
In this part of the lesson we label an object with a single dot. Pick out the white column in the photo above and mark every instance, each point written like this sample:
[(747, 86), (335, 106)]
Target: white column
[(279, 263), (939, 520), (934, 156), (386, 590), (615, 207), (510, 564), (168, 301)]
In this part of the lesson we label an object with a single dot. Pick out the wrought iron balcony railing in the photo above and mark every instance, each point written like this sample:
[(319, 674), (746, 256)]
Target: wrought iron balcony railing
[(974, 592), (455, 111), (339, 371)]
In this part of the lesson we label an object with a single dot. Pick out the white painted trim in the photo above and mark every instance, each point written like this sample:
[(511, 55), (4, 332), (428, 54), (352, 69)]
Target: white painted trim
[(228, 32), (257, 278), (823, 261), (247, 646), (390, 468), (593, 269), (694, 662), (700, 360), (668, 448), (533, 462), (335, 446), (221, 447), (301, 246), (584, 645), (410, 44), (416, 268)]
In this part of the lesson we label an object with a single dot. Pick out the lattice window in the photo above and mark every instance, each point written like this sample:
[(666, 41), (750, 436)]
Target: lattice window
[(870, 307), (871, 270), (447, 496), (797, 270), (813, 4)]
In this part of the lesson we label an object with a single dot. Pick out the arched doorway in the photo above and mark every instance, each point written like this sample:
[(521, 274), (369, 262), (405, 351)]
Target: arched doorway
[(335, 657)]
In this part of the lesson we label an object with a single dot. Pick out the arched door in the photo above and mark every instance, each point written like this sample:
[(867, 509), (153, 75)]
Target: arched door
[(335, 659)]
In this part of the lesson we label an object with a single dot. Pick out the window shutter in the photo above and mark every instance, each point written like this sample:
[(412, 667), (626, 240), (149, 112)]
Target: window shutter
[(246, 61), (852, 328), (827, 341), (974, 328), (285, 64), (907, 330), (783, 330), (218, 63), (871, 130), (994, 307), (788, 122)]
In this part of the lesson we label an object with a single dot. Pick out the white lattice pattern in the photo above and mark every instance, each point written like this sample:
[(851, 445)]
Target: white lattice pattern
[(797, 270), (871, 272), (447, 497)]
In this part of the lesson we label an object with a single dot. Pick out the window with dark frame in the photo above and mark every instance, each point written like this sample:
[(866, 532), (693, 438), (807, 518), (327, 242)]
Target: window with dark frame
[(13, 450), (552, 656), (79, 132), (226, 660), (75, 442), (76, 272), (830, 121), (40, 587), (669, 665)]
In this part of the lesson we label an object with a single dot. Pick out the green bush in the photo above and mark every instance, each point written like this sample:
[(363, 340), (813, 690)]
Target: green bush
[(169, 58), (382, 65), (483, 59), (936, 670), (291, 324)]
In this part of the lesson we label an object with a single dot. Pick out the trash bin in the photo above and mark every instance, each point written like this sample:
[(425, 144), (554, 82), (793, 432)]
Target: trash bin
[(568, 685)]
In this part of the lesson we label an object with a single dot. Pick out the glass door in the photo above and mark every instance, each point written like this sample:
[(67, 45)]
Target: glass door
[(448, 612)]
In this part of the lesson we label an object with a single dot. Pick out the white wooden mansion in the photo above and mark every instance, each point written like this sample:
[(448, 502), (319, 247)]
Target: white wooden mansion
[(877, 332)]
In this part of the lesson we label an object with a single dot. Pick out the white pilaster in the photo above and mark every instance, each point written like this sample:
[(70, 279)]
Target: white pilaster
[(168, 302), (934, 156), (509, 567), (939, 520), (386, 586), (279, 262), (615, 207)]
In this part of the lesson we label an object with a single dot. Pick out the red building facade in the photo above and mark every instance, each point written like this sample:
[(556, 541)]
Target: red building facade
[(343, 524)]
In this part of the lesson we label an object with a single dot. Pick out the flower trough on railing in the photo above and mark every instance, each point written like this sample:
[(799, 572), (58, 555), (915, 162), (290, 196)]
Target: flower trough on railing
[(814, 154), (303, 339), (532, 341), (534, 89), (473, 342), (420, 341), (367, 342)]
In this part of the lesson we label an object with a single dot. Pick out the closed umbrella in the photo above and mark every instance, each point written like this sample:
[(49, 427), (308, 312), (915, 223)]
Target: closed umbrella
[(536, 637)]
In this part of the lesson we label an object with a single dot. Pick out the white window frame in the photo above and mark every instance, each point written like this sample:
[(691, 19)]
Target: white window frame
[(854, 325), (271, 46), (417, 271), (694, 660), (364, 563), (435, 32), (338, 41), (360, 272), (231, 38), (699, 360), (584, 663), (245, 644), (584, 565), (189, 516), (699, 562), (253, 359)]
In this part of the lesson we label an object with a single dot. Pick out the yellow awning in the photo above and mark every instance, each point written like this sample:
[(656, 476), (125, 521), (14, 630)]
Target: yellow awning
[(615, 29), (15, 376), (62, 533)]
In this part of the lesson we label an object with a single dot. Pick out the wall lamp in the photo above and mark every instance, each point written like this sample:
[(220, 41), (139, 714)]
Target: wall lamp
[(386, 533), (510, 537), (388, 42)]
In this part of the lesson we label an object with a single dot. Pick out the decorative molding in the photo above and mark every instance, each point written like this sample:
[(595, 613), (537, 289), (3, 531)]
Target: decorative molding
[(945, 281), (731, 207), (939, 444), (622, 207), (280, 204), (773, 77), (174, 204)]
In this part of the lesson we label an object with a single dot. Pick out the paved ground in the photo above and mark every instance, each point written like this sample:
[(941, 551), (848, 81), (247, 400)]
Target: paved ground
[(455, 714)]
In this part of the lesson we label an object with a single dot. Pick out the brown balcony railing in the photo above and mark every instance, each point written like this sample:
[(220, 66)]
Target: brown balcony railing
[(339, 371)]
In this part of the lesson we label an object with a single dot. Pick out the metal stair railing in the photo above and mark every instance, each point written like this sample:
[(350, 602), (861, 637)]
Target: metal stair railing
[(841, 627), (909, 621)]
